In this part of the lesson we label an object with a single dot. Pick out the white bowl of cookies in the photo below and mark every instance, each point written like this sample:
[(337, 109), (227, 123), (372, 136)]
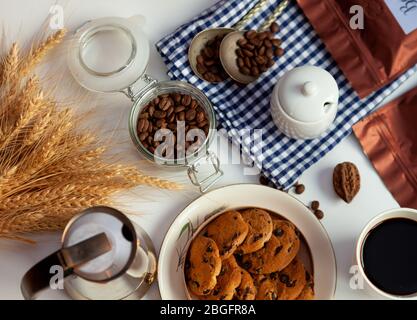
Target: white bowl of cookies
[(265, 245)]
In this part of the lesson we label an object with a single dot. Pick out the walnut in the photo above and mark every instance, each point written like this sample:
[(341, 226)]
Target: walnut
[(346, 181)]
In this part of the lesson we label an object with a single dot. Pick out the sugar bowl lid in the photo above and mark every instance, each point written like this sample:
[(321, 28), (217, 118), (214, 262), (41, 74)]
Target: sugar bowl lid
[(308, 93), (108, 54)]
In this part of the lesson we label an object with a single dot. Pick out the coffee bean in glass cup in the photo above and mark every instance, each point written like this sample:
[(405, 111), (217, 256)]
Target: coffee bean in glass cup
[(173, 126)]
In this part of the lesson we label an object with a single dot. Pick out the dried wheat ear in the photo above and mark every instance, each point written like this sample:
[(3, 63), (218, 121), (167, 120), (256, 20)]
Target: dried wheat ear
[(49, 169)]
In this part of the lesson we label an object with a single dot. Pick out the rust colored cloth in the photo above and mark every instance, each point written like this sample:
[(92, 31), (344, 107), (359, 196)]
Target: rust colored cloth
[(389, 138), (370, 57)]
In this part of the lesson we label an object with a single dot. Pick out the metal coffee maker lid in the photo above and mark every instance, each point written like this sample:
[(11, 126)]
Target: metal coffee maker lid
[(104, 256)]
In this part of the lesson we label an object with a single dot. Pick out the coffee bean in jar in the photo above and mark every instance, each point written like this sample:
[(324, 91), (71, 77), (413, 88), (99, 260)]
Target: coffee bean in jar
[(208, 61), (173, 126), (257, 51)]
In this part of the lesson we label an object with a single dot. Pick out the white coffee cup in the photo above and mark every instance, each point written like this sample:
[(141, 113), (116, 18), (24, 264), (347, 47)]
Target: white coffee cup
[(368, 285)]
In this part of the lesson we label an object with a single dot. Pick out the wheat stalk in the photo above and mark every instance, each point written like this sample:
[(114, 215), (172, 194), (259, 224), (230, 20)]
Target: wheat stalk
[(50, 169), (36, 55)]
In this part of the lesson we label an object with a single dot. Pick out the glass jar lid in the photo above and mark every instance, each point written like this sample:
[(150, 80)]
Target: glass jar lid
[(108, 54)]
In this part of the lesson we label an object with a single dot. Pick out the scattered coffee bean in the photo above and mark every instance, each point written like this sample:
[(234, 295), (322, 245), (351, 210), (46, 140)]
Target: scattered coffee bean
[(300, 188), (315, 205), (167, 112), (274, 27), (319, 214), (256, 51), (263, 180), (208, 61)]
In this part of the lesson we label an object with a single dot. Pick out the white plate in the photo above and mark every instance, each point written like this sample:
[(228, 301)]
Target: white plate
[(185, 226)]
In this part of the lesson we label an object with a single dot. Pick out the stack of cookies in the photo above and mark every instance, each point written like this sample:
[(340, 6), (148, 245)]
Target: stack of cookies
[(248, 255)]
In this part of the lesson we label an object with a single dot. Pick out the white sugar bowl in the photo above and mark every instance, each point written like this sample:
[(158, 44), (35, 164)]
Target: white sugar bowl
[(304, 102)]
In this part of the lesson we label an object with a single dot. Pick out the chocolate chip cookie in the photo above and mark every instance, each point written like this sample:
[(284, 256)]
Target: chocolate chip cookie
[(266, 287), (277, 253), (203, 265), (260, 230), (228, 231), (246, 289), (228, 281), (291, 281), (308, 290)]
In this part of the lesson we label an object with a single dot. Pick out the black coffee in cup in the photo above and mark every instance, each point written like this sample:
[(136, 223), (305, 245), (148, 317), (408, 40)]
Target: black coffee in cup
[(389, 256)]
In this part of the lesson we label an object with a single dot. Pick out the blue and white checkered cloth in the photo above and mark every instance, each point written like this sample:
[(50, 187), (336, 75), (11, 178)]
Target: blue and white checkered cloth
[(281, 159)]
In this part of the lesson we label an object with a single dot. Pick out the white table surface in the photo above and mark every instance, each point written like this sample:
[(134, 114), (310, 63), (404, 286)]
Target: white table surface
[(21, 19)]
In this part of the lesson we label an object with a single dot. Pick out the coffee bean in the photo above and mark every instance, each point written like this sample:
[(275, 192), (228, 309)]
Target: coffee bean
[(260, 60), (200, 59), (208, 52), (194, 104), (240, 63), (190, 115), (270, 63), (247, 53), (179, 108), (256, 52), (263, 68), (249, 47), (208, 62), (274, 27), (181, 116), (144, 115), (263, 180), (299, 189), (241, 42), (186, 100), (254, 71), (141, 125), (201, 116), (276, 42), (315, 205), (245, 71), (159, 114), (146, 126), (161, 123), (177, 97), (248, 62), (171, 109), (319, 214), (171, 118), (268, 43), (151, 111), (165, 104), (143, 136), (278, 52), (263, 35), (255, 42), (250, 34), (189, 111), (201, 68), (202, 124)]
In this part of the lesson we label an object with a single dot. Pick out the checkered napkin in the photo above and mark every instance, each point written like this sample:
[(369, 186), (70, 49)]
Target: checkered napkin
[(238, 109)]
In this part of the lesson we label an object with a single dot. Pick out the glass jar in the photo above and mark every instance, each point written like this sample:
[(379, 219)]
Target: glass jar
[(91, 51)]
